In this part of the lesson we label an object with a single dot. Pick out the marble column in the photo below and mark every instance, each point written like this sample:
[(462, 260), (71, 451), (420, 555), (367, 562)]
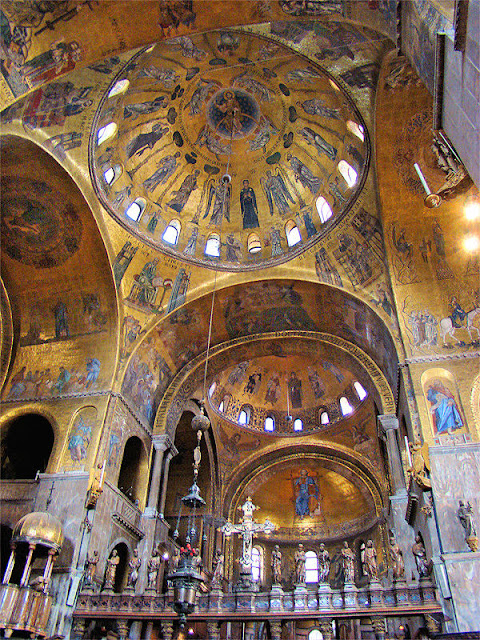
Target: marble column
[(326, 629), (160, 444), (276, 629), (388, 425), (170, 454), (11, 563), (28, 565), (213, 630), (167, 629), (379, 627)]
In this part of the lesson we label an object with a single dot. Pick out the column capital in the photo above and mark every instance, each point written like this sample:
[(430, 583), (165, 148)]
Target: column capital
[(388, 421), (161, 442), (172, 452)]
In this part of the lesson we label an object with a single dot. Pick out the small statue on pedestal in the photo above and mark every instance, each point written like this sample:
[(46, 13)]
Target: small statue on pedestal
[(369, 560), (218, 565), (418, 470), (420, 555), (133, 566), (153, 567), (396, 558), (300, 565), (323, 564), (112, 563), (465, 515), (276, 564), (90, 569), (348, 560)]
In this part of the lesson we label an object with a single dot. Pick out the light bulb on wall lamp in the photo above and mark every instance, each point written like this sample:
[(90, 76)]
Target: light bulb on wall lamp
[(471, 208), (471, 243)]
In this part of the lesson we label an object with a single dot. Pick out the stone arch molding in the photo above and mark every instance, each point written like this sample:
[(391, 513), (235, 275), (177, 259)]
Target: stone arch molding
[(190, 378)]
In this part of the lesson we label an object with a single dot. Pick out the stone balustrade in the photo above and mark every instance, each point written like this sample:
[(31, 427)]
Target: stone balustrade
[(399, 599)]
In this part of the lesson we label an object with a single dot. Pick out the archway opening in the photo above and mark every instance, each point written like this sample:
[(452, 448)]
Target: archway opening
[(129, 477), (27, 447)]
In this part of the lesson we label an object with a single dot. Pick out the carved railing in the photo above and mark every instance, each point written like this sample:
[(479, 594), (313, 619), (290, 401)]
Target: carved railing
[(395, 600)]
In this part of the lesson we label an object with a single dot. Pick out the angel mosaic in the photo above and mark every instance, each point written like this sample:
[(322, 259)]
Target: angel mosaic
[(219, 195), (277, 193), (236, 444)]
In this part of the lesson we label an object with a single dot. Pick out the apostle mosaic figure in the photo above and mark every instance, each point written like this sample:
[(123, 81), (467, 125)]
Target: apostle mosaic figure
[(165, 168), (181, 196)]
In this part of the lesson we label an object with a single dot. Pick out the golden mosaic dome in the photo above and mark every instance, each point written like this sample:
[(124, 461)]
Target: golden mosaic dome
[(39, 527), (228, 149)]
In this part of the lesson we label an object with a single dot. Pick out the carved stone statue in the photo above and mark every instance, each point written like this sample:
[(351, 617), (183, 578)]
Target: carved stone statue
[(418, 470), (276, 564), (369, 561), (323, 564), (218, 564), (420, 555), (396, 558), (153, 567), (90, 568), (465, 515), (133, 567), (348, 560), (112, 563), (300, 565)]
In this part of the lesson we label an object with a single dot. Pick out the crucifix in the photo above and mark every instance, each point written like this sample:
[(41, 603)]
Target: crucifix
[(247, 529)]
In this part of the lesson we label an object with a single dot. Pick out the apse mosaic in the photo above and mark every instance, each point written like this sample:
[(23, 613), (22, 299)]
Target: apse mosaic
[(312, 498), (227, 149)]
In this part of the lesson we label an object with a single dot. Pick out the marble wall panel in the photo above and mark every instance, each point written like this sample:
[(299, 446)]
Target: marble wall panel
[(455, 476), (464, 575)]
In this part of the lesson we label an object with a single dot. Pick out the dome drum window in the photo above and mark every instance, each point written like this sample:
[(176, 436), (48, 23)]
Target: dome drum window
[(172, 232), (106, 132), (135, 209)]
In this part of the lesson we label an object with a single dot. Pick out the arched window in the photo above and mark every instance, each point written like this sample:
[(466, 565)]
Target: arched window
[(348, 172), (244, 415), (324, 210), (172, 232), (324, 419), (361, 393), (212, 388), (345, 406), (112, 173), (212, 246), (253, 243), (119, 87), (135, 209), (221, 406), (311, 567), (106, 132), (269, 424), (356, 129), (315, 634), (298, 425), (257, 563), (292, 233)]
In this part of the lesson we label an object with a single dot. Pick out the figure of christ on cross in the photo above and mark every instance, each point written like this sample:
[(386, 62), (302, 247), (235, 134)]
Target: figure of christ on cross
[(247, 529)]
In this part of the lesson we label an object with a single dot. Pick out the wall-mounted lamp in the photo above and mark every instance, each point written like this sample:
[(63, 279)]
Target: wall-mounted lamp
[(431, 200)]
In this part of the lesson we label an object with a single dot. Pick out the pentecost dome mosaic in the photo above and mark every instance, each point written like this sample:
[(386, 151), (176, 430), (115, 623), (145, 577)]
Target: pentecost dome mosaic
[(227, 149)]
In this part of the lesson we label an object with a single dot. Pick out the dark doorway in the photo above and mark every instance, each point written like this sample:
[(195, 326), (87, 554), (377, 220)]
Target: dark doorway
[(26, 447)]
